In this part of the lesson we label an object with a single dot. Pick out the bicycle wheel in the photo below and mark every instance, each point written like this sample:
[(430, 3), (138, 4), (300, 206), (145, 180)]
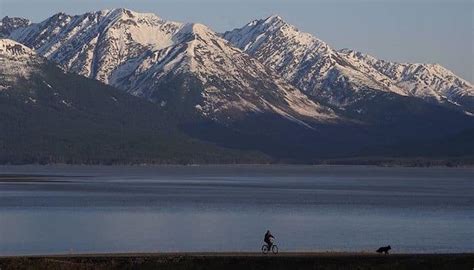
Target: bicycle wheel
[(264, 249), (275, 249)]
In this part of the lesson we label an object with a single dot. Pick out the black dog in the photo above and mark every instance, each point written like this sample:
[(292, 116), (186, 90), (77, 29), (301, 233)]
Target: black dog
[(384, 249)]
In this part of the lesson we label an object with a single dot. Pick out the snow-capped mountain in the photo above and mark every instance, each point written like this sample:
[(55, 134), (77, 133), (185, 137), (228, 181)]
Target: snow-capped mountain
[(342, 77), (210, 99), (147, 56)]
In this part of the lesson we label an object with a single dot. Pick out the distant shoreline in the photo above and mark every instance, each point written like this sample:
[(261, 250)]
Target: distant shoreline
[(46, 177), (238, 260), (467, 162)]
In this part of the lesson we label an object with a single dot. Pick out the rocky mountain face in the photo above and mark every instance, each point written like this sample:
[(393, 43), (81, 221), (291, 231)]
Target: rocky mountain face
[(9, 24), (343, 77), (183, 66)]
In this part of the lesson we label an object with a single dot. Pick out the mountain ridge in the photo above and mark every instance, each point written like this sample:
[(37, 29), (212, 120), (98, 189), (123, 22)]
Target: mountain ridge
[(334, 75), (110, 46), (9, 24)]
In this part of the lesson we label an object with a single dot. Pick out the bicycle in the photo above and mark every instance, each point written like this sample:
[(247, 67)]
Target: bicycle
[(265, 249)]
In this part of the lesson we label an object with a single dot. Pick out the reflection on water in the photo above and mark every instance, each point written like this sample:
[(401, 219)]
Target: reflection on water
[(228, 208)]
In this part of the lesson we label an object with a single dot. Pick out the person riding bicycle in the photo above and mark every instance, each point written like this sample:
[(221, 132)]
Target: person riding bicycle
[(268, 239)]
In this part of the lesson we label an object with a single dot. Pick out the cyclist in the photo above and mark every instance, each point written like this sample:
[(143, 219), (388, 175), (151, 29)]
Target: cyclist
[(268, 239)]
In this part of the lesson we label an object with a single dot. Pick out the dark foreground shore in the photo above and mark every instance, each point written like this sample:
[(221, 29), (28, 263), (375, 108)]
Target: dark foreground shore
[(246, 261)]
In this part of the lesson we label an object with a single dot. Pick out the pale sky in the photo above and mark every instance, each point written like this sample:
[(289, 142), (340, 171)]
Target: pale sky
[(427, 31)]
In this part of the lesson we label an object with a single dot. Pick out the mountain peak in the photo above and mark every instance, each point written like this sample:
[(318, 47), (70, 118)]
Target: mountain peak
[(273, 22), (196, 28), (269, 30), (59, 16), (274, 19), (128, 13), (9, 24)]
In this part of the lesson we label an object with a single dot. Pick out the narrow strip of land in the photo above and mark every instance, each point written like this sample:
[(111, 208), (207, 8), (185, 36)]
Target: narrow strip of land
[(43, 178), (241, 260)]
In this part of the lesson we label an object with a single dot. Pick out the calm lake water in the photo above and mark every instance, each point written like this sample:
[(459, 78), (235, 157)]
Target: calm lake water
[(81, 209)]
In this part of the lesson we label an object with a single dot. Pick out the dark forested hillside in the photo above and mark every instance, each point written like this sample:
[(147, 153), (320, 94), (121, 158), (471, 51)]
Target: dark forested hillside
[(66, 118)]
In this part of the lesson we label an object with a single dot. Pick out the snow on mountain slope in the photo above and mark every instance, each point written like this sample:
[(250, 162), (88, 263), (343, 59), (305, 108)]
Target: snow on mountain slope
[(143, 55), (94, 44), (428, 81), (23, 72), (307, 62), (15, 50), (338, 76), (17, 62), (230, 80)]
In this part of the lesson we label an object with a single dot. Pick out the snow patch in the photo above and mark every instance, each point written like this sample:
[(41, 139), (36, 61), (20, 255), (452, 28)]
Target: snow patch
[(47, 84), (68, 104)]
